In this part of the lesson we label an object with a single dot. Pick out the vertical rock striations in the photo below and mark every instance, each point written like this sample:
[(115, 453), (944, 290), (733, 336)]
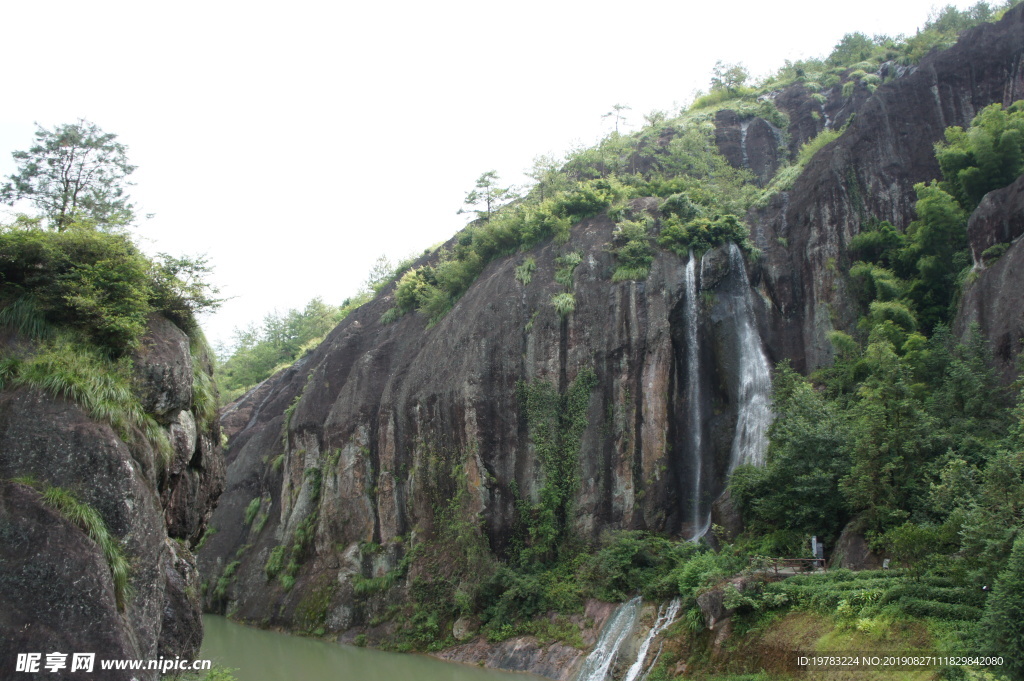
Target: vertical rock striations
[(363, 441)]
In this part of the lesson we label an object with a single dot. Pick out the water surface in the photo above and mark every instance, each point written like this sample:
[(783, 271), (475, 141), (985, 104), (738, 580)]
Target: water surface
[(259, 655)]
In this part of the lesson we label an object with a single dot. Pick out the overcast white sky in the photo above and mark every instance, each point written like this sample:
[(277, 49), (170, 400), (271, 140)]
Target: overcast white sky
[(293, 143)]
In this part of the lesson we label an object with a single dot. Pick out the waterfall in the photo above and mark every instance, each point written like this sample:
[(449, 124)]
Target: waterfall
[(743, 143), (616, 630), (700, 523), (754, 413), (666, 616)]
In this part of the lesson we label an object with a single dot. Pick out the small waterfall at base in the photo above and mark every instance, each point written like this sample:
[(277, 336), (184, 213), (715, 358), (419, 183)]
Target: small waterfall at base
[(616, 630), (666, 616), (754, 413), (700, 522)]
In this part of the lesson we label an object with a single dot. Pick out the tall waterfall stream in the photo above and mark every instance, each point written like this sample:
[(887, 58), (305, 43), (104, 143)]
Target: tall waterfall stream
[(700, 522), (754, 413)]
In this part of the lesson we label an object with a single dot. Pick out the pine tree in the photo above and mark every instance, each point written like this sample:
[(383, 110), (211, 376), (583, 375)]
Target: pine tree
[(75, 172), (1002, 627)]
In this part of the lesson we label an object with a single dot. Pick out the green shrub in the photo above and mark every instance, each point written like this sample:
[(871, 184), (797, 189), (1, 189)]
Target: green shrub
[(718, 98), (988, 156), (702, 234), (950, 611), (412, 288), (98, 283), (623, 273), (275, 561), (95, 282), (564, 303), (252, 509), (811, 147), (629, 562), (632, 248), (993, 253), (221, 590), (786, 177), (363, 586), (680, 206), (704, 569), (390, 316), (566, 266), (525, 270)]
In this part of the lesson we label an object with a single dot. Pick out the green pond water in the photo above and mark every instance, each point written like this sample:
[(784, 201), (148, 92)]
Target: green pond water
[(259, 655)]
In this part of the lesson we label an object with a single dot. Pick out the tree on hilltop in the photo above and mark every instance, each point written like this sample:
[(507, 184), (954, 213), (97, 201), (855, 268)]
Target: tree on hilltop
[(488, 194), (729, 77), (75, 171)]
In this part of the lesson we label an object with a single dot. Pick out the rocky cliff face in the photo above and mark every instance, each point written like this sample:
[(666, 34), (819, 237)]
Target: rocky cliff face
[(355, 445), (376, 406), (868, 174), (56, 587), (992, 296)]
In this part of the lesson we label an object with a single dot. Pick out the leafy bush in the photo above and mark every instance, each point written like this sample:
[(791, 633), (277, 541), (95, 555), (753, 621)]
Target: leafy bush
[(525, 270), (629, 562), (98, 283), (988, 156), (224, 581), (632, 249), (702, 234), (993, 252), (705, 569), (180, 289), (718, 98), (564, 303), (812, 146), (94, 282), (567, 264)]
